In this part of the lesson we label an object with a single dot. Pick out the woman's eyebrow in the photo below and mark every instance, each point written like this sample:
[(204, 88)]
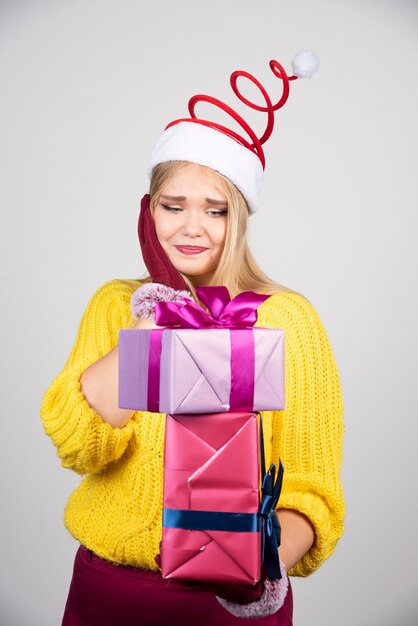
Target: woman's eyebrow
[(174, 198), (220, 202), (180, 198)]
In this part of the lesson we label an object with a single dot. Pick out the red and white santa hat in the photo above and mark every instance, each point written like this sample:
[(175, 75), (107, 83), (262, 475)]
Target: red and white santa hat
[(238, 158)]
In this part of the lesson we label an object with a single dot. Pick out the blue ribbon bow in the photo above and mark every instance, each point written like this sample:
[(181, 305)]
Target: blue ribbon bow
[(270, 529)]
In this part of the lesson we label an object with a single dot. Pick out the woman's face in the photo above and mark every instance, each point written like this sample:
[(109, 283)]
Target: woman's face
[(190, 220)]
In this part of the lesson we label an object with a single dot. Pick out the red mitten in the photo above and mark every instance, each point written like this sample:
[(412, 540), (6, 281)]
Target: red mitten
[(269, 601), (236, 594), (157, 262)]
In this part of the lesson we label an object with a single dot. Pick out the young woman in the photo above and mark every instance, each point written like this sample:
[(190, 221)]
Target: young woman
[(193, 232)]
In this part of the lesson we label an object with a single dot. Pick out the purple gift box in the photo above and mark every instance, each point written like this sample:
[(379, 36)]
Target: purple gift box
[(197, 373), (211, 361)]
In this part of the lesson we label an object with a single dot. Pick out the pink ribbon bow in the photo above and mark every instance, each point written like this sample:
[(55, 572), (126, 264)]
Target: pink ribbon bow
[(240, 312)]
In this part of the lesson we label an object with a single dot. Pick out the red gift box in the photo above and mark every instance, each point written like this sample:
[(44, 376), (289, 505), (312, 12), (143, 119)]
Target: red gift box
[(211, 521)]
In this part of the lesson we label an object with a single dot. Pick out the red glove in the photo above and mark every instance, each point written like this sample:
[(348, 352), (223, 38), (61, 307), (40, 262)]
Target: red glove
[(157, 262), (271, 600), (239, 594)]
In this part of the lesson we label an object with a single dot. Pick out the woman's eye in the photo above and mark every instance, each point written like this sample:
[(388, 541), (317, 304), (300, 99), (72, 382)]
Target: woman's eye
[(218, 213), (172, 209)]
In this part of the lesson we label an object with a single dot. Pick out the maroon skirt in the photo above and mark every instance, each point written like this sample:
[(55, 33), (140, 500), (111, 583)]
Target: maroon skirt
[(104, 594)]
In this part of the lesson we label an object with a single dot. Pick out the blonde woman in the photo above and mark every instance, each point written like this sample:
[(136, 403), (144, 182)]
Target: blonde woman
[(193, 232)]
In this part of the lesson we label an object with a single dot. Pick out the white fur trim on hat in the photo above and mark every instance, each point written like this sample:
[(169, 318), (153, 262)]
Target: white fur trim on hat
[(197, 143)]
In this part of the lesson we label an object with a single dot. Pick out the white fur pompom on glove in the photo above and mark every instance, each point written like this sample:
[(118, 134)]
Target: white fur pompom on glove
[(272, 599), (144, 299)]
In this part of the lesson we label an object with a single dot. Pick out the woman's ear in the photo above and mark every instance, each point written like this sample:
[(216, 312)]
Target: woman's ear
[(157, 262)]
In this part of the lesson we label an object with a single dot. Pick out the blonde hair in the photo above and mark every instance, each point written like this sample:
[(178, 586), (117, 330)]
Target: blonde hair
[(237, 268)]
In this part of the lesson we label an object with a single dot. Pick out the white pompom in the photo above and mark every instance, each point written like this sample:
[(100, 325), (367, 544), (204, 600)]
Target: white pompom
[(304, 64)]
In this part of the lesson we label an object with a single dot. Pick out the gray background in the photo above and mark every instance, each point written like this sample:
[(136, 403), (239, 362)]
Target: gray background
[(86, 89)]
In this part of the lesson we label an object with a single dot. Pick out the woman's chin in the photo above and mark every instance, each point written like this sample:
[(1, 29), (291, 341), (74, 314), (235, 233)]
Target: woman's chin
[(197, 277), (192, 269)]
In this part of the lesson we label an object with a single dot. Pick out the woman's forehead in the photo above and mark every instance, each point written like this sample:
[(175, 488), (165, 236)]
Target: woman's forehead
[(197, 181)]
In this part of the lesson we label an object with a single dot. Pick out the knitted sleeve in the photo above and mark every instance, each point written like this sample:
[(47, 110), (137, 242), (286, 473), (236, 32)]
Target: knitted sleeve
[(308, 434), (84, 442)]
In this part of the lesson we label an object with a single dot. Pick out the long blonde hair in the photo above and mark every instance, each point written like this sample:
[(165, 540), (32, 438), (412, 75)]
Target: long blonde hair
[(237, 268)]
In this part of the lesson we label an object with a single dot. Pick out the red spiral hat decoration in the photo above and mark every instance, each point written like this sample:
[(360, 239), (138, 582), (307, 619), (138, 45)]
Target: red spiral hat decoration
[(255, 143), (238, 156)]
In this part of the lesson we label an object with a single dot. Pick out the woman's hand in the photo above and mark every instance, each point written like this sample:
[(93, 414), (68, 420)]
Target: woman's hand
[(144, 323), (297, 536), (156, 260)]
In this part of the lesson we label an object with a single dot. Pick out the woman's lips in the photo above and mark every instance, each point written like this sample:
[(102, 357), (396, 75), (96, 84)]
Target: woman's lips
[(190, 249)]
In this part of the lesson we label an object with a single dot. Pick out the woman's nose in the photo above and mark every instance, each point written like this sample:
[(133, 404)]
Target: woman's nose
[(192, 225)]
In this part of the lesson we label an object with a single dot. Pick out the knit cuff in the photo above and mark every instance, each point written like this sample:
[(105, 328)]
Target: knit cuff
[(315, 508), (144, 299), (270, 602)]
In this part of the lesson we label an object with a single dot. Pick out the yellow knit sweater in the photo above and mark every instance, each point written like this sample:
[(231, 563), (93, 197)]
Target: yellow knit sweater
[(116, 510)]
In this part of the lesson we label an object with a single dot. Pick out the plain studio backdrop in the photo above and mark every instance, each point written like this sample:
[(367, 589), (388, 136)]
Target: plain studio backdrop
[(87, 86)]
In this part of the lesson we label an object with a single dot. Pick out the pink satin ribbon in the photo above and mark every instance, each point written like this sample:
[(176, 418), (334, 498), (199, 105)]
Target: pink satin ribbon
[(154, 368), (240, 312)]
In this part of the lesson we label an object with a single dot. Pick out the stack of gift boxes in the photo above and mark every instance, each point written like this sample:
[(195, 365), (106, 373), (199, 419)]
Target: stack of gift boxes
[(210, 371)]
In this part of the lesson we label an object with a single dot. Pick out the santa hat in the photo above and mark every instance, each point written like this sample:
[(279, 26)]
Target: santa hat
[(238, 158)]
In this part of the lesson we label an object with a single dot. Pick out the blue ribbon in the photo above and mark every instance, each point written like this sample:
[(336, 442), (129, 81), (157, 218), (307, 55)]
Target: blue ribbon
[(211, 520), (270, 529)]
